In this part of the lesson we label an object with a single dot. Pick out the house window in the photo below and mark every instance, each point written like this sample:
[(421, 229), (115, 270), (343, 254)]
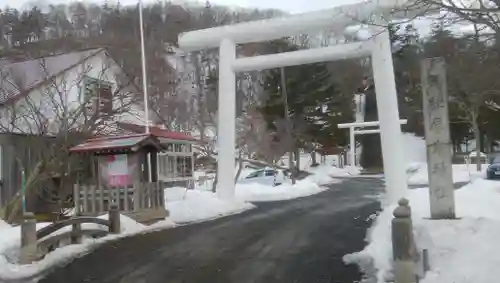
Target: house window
[(98, 96)]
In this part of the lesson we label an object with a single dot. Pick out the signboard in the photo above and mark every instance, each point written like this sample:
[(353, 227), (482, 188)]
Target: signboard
[(437, 138), (118, 173)]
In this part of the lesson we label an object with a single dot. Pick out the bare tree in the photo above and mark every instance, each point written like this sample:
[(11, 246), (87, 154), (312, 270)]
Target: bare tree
[(472, 73), (479, 12), (56, 114)]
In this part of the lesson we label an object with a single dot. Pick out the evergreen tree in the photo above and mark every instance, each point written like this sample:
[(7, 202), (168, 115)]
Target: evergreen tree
[(407, 53), (315, 104)]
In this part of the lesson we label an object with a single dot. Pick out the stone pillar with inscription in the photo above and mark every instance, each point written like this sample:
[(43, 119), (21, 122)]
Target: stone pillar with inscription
[(437, 138)]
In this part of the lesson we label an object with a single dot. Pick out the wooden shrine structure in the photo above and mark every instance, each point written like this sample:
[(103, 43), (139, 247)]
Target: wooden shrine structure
[(132, 171)]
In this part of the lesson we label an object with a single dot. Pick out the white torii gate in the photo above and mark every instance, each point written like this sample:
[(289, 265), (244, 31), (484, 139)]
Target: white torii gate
[(338, 18), (353, 132)]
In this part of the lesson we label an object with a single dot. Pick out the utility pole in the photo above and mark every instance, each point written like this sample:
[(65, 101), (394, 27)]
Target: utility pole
[(145, 86), (288, 129)]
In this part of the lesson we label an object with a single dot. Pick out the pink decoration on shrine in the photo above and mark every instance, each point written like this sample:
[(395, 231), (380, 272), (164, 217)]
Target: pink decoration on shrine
[(119, 180), (118, 174)]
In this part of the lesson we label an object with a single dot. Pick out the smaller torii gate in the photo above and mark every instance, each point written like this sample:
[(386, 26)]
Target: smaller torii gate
[(353, 131)]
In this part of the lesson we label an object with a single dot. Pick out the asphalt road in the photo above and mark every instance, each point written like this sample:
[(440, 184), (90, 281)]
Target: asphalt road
[(297, 241)]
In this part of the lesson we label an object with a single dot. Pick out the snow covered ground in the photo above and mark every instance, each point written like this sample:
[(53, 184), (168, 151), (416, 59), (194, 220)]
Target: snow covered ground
[(306, 160), (311, 185), (197, 205), (262, 189), (460, 251), (417, 173), (201, 204), (254, 192), (415, 149), (416, 160)]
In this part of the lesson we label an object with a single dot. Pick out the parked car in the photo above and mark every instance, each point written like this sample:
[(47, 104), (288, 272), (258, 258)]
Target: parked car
[(265, 176), (493, 171)]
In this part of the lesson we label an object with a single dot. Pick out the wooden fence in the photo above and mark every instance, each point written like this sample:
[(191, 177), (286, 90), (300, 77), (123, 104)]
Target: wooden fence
[(36, 244), (144, 202)]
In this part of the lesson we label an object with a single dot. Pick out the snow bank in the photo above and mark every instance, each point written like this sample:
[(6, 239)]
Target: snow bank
[(325, 174), (245, 172), (127, 225), (201, 204), (415, 149), (417, 173), (460, 251), (416, 160), (195, 205), (3, 225), (207, 184), (260, 191), (306, 160), (255, 192)]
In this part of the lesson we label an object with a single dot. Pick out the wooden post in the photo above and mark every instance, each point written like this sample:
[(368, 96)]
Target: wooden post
[(159, 194), (85, 196), (403, 248), (437, 138), (137, 196), (114, 219), (28, 239), (144, 194), (152, 195), (94, 201), (156, 187), (100, 187), (162, 193), (76, 234), (76, 229), (76, 197), (124, 191)]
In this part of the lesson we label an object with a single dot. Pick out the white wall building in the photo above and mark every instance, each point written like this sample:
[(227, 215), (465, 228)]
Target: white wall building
[(51, 88)]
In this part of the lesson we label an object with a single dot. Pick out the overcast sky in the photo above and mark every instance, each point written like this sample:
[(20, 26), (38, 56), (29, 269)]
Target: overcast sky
[(292, 6)]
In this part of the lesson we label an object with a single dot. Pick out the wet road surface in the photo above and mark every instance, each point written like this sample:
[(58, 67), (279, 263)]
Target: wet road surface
[(296, 241)]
